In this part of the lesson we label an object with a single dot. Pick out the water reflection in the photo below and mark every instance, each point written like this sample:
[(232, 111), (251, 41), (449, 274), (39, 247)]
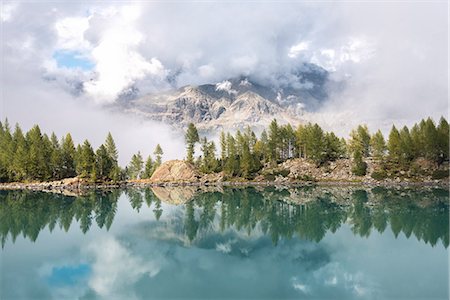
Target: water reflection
[(307, 213)]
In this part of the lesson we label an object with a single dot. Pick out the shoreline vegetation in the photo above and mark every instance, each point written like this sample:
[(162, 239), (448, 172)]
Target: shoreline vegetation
[(281, 156)]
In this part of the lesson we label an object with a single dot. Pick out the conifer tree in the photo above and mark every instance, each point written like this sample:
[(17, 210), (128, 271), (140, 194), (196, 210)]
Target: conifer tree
[(149, 168), (394, 144), (135, 166), (265, 146), (406, 146), (223, 149), (37, 166), (360, 140), (443, 140), (20, 155), (191, 138), (378, 145), (273, 141), (55, 158), (111, 149), (86, 161), (104, 163), (158, 154), (67, 157), (430, 136)]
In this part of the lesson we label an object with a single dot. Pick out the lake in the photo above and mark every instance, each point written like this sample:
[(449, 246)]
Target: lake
[(227, 243)]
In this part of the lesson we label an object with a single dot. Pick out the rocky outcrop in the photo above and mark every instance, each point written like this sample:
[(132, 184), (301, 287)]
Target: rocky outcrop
[(175, 171), (175, 195)]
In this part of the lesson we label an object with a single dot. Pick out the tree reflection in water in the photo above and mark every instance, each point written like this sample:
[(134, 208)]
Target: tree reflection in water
[(307, 213)]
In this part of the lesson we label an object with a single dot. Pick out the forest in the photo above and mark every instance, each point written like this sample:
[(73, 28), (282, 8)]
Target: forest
[(36, 156), (243, 154)]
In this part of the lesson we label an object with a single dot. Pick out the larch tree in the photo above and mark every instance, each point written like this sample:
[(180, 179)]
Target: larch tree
[(191, 138)]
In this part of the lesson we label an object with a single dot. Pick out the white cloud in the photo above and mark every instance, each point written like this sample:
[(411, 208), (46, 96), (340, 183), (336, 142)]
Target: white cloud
[(117, 62), (71, 33), (295, 50), (114, 268), (225, 86), (6, 10)]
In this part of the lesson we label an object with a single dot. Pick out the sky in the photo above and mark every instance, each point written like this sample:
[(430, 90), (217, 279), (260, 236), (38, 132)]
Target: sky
[(64, 63)]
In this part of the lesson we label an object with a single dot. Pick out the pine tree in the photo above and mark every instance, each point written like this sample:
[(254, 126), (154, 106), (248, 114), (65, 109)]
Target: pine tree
[(360, 140), (67, 157), (104, 163), (333, 147), (37, 164), (359, 166), (315, 143), (191, 138), (430, 136), (265, 146), (394, 145), (20, 155), (232, 164), (158, 154), (149, 168), (135, 166), (378, 145), (443, 140), (55, 158), (406, 146), (111, 149), (209, 162), (86, 163), (223, 149), (273, 141)]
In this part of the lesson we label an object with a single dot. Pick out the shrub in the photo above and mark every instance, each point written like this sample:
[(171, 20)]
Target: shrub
[(305, 177), (379, 175), (440, 174)]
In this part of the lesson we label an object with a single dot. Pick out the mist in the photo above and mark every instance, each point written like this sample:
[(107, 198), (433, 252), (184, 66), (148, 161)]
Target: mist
[(391, 59)]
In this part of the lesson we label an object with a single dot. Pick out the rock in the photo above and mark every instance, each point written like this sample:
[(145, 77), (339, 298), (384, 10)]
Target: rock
[(175, 195), (175, 171)]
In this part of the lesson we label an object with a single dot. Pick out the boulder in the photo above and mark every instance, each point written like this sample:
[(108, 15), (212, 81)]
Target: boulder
[(175, 171)]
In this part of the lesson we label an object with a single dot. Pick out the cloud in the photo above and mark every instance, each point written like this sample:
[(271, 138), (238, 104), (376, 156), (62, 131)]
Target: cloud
[(390, 71), (115, 268)]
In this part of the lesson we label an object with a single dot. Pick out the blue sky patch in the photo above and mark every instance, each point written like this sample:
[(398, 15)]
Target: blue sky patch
[(68, 275), (72, 60)]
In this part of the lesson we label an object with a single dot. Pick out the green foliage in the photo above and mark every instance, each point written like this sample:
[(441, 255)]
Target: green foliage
[(86, 161), (209, 162), (191, 138), (149, 168), (104, 163), (439, 174), (378, 145), (360, 141), (135, 166), (379, 175), (158, 154), (359, 165)]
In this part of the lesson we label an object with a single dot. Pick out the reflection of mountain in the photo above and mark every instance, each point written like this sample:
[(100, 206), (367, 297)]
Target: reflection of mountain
[(245, 210)]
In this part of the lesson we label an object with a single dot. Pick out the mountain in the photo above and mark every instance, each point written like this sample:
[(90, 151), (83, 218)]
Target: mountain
[(236, 102)]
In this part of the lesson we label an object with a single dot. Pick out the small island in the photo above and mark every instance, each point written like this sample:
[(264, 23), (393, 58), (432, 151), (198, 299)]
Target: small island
[(281, 155)]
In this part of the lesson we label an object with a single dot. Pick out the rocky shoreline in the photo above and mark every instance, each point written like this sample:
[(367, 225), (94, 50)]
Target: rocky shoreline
[(178, 173), (62, 187)]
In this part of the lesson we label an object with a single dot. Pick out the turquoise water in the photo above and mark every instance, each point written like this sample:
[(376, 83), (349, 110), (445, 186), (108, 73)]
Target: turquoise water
[(178, 243)]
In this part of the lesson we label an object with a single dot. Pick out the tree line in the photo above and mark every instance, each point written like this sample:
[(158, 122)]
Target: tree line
[(244, 154), (25, 213), (36, 156)]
